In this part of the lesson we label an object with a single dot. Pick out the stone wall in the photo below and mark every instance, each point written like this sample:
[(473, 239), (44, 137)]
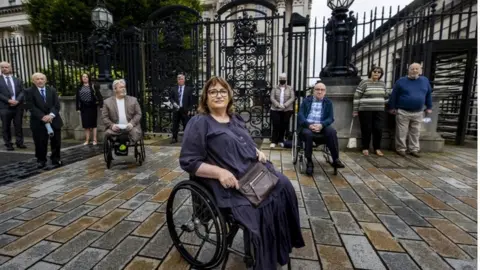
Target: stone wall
[(72, 128), (342, 98)]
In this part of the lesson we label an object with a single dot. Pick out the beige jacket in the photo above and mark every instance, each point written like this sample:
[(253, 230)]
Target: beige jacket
[(288, 98), (110, 111)]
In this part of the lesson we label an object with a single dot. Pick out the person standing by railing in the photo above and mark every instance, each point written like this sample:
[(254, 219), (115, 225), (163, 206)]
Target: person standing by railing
[(88, 100), (410, 95), (282, 98), (369, 105), (11, 106)]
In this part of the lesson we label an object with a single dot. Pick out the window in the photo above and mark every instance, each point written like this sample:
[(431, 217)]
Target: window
[(11, 2)]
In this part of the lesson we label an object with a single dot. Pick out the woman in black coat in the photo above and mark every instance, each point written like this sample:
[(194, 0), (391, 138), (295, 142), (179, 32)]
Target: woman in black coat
[(88, 99)]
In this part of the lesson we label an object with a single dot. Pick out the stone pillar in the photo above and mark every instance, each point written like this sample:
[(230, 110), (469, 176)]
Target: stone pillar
[(298, 6), (342, 98)]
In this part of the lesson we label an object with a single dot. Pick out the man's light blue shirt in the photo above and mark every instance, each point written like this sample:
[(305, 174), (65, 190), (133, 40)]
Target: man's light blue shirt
[(315, 115)]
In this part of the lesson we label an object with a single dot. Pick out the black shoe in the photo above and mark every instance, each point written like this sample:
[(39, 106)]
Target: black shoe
[(338, 164), (401, 153), (41, 165), (21, 146), (57, 162), (9, 147), (309, 170), (415, 154), (173, 141)]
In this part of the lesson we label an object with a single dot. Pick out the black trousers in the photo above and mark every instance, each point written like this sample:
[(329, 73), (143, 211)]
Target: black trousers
[(330, 139), (177, 116), (8, 115), (280, 121), (40, 138), (371, 125)]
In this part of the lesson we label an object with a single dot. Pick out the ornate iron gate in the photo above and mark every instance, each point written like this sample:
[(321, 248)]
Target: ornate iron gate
[(247, 46), (171, 46), (242, 44)]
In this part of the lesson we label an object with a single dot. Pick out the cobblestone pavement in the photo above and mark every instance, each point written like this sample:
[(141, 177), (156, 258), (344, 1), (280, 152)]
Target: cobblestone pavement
[(378, 213), (27, 166)]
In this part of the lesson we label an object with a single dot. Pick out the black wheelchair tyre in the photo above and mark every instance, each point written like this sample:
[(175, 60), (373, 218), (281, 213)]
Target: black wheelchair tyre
[(107, 152), (218, 223)]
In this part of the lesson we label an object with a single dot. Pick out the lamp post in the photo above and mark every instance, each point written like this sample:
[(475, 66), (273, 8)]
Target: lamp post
[(339, 32), (102, 40)]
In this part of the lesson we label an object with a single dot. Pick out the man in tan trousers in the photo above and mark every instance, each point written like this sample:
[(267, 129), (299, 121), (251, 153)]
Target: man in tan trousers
[(122, 113), (411, 98)]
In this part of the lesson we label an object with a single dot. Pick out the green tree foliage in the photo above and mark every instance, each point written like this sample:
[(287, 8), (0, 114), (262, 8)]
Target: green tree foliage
[(57, 16)]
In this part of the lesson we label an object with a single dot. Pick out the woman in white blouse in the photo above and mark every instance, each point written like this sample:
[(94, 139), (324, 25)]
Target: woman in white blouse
[(282, 98)]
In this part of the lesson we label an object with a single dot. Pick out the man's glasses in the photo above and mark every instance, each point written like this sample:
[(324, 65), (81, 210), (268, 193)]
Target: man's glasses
[(214, 93)]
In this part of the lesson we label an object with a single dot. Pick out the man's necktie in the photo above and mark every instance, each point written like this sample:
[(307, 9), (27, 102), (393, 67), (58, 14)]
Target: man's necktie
[(43, 94), (9, 85), (180, 96)]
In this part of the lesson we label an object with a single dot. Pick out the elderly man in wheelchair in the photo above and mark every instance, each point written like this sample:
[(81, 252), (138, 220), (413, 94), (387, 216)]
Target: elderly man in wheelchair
[(121, 115), (315, 117)]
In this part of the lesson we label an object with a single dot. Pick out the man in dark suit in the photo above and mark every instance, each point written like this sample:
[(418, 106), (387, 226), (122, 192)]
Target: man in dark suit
[(11, 106), (181, 96), (44, 106)]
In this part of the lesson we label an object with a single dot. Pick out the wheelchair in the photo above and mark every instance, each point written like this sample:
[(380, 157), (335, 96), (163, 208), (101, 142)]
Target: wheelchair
[(298, 152), (214, 228), (119, 144)]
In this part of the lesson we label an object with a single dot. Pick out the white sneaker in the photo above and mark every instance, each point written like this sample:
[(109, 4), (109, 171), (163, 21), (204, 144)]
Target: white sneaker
[(272, 145), (280, 144)]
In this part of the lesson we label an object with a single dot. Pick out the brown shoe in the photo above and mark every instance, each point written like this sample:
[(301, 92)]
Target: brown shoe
[(415, 154), (401, 153), (379, 153), (365, 152)]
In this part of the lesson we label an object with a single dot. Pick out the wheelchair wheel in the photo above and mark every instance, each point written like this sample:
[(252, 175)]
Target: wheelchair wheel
[(107, 152), (302, 165), (199, 224)]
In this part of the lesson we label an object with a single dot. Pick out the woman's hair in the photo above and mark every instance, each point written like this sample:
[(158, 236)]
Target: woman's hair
[(88, 76), (203, 106), (375, 68)]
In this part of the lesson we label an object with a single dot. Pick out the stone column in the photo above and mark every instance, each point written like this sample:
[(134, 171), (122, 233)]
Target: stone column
[(298, 7)]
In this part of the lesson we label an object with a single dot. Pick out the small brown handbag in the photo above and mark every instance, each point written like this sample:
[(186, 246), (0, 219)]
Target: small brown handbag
[(257, 183)]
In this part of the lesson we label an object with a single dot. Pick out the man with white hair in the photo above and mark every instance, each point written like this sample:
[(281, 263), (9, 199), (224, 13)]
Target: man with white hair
[(122, 113), (411, 96), (182, 99), (12, 99), (42, 102)]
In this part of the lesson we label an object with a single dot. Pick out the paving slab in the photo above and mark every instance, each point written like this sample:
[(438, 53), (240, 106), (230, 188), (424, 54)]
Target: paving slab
[(83, 216)]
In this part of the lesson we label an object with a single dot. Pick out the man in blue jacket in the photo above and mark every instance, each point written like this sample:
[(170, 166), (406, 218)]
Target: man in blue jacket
[(411, 95), (315, 116)]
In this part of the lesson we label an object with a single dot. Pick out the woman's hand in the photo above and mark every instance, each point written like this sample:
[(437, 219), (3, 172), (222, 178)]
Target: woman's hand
[(261, 156), (227, 179)]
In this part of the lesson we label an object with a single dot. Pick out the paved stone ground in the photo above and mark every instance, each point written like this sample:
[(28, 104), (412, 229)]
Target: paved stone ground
[(378, 213)]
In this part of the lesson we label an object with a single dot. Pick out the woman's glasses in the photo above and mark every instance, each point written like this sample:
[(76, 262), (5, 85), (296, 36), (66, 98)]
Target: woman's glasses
[(377, 71), (214, 93)]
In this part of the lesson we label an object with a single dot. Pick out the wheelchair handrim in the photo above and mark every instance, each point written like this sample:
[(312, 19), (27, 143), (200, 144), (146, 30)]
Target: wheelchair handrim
[(220, 228)]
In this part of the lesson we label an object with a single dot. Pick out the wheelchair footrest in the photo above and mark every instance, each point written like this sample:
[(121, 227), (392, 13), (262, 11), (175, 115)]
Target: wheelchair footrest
[(121, 150)]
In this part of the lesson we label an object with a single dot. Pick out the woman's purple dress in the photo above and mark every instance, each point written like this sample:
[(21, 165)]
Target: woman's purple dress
[(274, 227)]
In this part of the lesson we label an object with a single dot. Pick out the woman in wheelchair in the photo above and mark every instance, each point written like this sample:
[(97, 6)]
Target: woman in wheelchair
[(218, 149)]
